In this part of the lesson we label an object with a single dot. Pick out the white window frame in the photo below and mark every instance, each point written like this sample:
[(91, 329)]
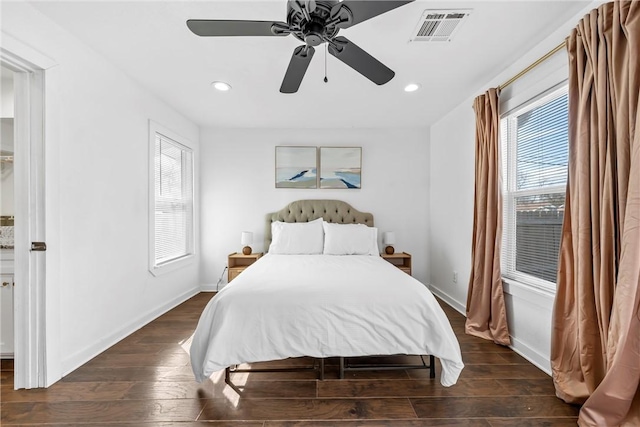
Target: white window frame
[(187, 259), (510, 193)]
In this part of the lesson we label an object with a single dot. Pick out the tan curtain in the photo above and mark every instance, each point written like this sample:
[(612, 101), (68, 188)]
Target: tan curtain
[(595, 349), (486, 314)]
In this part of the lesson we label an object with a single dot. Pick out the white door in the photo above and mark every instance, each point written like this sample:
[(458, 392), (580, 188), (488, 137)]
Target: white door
[(29, 292)]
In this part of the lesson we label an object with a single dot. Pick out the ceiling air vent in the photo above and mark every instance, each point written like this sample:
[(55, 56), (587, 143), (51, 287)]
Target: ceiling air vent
[(439, 25)]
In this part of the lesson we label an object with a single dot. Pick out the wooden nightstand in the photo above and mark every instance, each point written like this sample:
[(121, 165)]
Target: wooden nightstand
[(238, 262), (401, 260)]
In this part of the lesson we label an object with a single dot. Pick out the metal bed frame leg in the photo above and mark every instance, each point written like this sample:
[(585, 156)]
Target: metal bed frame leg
[(341, 368), (322, 369), (432, 366)]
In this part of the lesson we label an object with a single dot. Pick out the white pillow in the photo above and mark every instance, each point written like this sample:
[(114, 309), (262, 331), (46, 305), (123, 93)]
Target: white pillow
[(296, 238), (350, 239)]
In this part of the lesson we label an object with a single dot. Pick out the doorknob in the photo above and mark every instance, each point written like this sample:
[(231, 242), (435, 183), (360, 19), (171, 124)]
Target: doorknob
[(4, 284), (38, 246)]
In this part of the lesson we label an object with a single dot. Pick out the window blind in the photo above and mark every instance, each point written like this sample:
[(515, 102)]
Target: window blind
[(535, 158), (542, 149), (173, 200)]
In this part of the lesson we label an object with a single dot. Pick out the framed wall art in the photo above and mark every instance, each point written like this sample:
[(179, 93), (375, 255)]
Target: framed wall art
[(340, 167), (296, 167)]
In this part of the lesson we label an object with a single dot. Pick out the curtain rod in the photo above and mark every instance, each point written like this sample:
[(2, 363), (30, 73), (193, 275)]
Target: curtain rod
[(532, 66)]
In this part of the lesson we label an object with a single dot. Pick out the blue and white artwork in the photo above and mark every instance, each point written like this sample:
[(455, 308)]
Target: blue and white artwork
[(296, 167), (340, 167)]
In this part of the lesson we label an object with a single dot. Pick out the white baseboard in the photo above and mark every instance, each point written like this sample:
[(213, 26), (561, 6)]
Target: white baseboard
[(211, 287), (460, 308), (80, 358), (537, 359)]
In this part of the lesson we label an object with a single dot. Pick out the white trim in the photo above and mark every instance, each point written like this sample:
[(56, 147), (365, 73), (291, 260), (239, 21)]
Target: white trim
[(157, 270), (83, 356), (52, 219), (35, 305), (167, 267), (528, 280), (36, 362), (508, 147), (19, 54)]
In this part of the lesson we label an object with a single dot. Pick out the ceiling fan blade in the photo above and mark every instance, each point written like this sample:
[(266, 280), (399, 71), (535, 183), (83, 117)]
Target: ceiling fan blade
[(225, 28), (297, 68), (349, 53), (365, 9)]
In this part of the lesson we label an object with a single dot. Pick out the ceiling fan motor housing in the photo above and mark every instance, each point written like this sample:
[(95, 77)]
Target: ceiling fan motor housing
[(313, 32)]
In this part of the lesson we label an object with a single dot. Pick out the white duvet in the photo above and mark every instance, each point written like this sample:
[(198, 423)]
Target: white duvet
[(322, 306)]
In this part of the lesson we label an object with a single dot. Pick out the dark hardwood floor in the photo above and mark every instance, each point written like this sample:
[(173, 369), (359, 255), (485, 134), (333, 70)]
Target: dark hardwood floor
[(146, 380)]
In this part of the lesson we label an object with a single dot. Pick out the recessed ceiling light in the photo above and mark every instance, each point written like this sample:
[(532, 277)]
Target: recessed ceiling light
[(411, 87), (221, 86)]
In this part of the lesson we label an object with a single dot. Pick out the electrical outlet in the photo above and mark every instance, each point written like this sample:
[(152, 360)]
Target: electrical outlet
[(455, 277)]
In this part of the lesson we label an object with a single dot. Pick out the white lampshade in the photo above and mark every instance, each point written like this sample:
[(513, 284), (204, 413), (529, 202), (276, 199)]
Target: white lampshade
[(389, 238), (246, 238)]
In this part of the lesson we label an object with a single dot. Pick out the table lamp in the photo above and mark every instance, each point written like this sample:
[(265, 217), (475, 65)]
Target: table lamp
[(246, 239), (389, 239)]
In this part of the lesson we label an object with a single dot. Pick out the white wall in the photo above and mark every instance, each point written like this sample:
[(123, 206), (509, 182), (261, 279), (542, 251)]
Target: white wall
[(451, 192), (238, 187), (99, 288)]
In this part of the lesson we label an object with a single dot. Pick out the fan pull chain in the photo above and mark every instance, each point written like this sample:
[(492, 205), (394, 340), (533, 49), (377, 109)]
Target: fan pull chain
[(326, 47)]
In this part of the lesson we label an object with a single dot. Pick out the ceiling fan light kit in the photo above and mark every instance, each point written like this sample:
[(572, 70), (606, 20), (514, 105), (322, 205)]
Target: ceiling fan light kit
[(312, 22)]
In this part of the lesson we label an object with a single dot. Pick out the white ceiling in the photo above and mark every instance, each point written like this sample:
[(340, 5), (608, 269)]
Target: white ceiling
[(149, 40)]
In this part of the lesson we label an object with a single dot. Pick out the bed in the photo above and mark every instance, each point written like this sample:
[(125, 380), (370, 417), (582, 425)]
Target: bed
[(333, 300)]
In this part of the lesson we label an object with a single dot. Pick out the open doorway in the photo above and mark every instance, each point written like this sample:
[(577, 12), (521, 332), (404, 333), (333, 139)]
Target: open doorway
[(7, 213)]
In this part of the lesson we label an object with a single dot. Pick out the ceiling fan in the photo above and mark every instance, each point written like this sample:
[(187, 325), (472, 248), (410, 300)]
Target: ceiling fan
[(313, 22)]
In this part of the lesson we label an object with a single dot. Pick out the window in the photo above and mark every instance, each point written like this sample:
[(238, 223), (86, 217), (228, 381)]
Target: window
[(534, 141), (171, 205)]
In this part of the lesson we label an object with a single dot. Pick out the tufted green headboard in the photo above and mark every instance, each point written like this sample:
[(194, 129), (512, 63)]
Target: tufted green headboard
[(335, 211)]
